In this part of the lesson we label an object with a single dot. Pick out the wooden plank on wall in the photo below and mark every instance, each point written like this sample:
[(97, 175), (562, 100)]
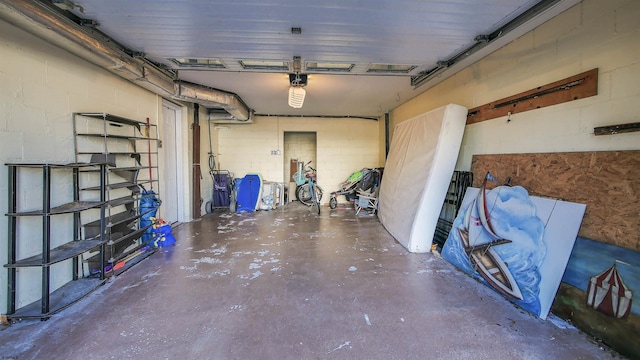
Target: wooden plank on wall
[(607, 182), (572, 88)]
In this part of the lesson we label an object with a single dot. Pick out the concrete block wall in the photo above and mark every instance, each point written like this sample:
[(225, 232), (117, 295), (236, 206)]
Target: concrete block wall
[(342, 146), (299, 146), (40, 87), (592, 34)]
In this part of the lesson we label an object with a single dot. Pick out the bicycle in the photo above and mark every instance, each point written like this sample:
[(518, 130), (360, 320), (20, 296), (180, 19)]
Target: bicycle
[(310, 193)]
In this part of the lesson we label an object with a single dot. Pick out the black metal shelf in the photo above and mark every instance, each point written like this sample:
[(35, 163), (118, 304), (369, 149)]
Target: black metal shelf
[(58, 254), (121, 218), (67, 208), (76, 287), (111, 221), (129, 236), (112, 136), (120, 185), (125, 200), (57, 165), (60, 299), (143, 255), (117, 219), (130, 257), (120, 246), (126, 168), (131, 153), (115, 119)]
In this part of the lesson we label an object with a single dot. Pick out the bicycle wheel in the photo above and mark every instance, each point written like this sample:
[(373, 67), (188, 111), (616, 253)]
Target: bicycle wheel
[(303, 194), (316, 198), (320, 191)]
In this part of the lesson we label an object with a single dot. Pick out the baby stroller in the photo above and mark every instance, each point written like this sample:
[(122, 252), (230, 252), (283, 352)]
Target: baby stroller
[(359, 180), (367, 192)]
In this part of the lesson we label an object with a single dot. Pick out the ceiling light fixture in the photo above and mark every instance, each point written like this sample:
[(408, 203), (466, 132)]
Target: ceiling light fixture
[(297, 81), (296, 97)]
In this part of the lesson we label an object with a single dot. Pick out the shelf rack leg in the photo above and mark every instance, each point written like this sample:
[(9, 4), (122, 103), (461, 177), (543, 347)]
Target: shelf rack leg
[(76, 224), (46, 238), (103, 177), (11, 236)]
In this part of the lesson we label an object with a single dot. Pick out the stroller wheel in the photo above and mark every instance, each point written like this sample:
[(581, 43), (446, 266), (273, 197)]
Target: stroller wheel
[(209, 207), (333, 202)]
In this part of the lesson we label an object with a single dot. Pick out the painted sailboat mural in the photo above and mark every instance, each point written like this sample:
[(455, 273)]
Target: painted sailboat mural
[(516, 244), (608, 294), (478, 239)]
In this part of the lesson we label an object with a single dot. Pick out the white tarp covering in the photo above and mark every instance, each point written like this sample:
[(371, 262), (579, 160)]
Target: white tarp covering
[(421, 160)]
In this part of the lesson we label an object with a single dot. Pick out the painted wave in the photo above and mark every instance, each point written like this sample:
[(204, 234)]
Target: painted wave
[(513, 216)]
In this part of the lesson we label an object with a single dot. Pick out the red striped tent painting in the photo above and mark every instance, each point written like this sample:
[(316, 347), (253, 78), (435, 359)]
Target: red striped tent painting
[(607, 293)]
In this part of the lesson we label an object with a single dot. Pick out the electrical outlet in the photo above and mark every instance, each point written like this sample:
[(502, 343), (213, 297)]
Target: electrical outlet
[(275, 152)]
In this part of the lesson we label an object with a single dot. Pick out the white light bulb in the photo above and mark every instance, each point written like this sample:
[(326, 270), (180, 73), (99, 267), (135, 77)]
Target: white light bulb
[(296, 97)]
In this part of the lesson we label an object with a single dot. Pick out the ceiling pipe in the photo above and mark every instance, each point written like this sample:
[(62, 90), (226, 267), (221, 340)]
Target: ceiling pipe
[(374, 118), (90, 44), (211, 98)]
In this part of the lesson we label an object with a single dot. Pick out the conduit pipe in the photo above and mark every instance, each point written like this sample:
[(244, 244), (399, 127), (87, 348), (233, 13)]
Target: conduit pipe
[(195, 153), (209, 98), (93, 46)]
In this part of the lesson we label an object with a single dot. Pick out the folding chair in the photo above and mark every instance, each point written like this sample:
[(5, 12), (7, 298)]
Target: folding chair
[(366, 201)]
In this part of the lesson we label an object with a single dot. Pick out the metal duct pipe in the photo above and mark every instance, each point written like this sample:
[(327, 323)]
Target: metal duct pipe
[(37, 19), (212, 98), (93, 46), (216, 115), (219, 116)]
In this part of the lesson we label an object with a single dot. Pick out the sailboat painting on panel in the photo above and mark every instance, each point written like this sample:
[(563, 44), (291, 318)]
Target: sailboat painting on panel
[(517, 244)]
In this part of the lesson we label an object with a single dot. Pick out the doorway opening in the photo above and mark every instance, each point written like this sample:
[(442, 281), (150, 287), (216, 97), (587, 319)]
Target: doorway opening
[(172, 182), (299, 149)]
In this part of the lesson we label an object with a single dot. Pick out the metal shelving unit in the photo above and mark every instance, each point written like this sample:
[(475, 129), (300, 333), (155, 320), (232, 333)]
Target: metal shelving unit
[(130, 150), (460, 181), (78, 286)]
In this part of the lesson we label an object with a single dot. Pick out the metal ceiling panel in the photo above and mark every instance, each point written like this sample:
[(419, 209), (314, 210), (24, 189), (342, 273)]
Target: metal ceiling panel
[(401, 31), (407, 32)]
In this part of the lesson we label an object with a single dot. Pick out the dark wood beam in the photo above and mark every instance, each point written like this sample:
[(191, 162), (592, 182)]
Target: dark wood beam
[(572, 88)]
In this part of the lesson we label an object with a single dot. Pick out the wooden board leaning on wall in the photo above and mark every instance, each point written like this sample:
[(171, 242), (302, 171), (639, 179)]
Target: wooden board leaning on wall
[(575, 87), (608, 182)]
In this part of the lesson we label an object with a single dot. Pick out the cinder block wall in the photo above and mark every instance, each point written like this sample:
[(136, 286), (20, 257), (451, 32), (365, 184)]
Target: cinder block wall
[(302, 147), (343, 146), (592, 34), (40, 87)]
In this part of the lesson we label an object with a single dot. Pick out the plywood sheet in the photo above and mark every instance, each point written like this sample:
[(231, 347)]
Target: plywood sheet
[(607, 182)]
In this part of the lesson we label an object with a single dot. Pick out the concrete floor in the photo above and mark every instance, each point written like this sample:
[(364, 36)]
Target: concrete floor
[(287, 284)]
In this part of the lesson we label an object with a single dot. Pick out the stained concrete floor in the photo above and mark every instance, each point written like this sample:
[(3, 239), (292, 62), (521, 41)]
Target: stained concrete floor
[(288, 284)]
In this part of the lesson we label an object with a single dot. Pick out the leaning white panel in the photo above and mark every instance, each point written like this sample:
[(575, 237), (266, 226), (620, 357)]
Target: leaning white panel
[(421, 160)]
